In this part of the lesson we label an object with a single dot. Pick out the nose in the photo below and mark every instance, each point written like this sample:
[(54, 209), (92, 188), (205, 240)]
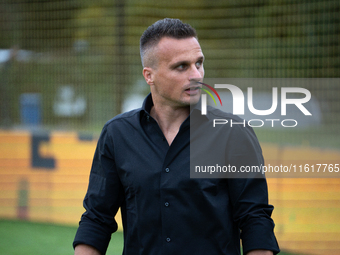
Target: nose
[(196, 74)]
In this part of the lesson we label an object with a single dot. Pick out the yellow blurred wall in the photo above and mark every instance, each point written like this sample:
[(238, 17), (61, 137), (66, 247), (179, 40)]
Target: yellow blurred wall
[(44, 177)]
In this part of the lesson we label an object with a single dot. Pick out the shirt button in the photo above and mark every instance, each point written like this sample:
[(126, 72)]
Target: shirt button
[(166, 204), (168, 239), (167, 170)]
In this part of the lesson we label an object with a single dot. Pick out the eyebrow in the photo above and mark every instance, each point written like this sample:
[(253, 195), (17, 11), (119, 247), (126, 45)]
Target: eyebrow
[(185, 62)]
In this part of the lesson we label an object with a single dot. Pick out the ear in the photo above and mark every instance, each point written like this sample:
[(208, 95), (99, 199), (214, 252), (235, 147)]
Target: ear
[(148, 75)]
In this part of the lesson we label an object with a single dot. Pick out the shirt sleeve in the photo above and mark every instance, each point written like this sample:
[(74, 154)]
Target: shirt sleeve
[(102, 200), (249, 196)]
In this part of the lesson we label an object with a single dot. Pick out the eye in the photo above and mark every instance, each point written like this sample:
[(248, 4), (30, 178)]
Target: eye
[(181, 67), (199, 64)]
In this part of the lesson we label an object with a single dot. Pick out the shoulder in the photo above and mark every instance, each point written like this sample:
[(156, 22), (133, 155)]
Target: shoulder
[(214, 113), (121, 125), (238, 128), (131, 117)]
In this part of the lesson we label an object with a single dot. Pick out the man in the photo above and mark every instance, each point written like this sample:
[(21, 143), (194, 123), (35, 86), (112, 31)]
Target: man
[(141, 165)]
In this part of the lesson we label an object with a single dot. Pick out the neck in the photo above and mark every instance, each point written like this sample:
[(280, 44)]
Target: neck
[(169, 119)]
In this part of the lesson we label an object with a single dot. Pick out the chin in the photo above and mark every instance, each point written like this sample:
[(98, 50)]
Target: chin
[(190, 102), (194, 100)]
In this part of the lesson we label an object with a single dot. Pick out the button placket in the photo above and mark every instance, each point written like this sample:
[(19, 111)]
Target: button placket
[(166, 210)]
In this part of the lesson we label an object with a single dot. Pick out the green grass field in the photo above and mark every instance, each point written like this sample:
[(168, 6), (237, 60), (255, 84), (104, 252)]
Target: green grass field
[(22, 237)]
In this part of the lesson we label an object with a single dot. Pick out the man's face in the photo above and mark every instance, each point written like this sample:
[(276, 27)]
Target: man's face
[(178, 65)]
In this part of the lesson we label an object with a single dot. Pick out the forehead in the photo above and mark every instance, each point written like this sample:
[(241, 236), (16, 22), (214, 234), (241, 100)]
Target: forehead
[(170, 50)]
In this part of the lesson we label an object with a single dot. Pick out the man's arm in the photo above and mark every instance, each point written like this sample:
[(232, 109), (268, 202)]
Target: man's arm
[(249, 197), (103, 198), (84, 249)]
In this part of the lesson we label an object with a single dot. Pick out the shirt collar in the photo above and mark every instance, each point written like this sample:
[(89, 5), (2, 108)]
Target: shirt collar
[(195, 117), (148, 103), (194, 110)]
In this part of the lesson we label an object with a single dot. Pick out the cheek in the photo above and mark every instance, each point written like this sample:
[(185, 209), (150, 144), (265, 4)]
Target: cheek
[(202, 72)]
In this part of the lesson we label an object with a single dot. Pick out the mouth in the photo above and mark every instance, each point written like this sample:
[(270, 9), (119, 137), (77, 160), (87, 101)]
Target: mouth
[(193, 88)]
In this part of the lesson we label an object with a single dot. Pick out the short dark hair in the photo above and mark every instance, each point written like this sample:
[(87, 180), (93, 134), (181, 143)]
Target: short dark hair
[(173, 28)]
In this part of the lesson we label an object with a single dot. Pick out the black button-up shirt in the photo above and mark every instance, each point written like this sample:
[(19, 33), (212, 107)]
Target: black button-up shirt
[(164, 211)]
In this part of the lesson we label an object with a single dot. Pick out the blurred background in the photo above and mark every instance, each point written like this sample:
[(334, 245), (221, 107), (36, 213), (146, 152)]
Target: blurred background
[(78, 62), (66, 67)]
